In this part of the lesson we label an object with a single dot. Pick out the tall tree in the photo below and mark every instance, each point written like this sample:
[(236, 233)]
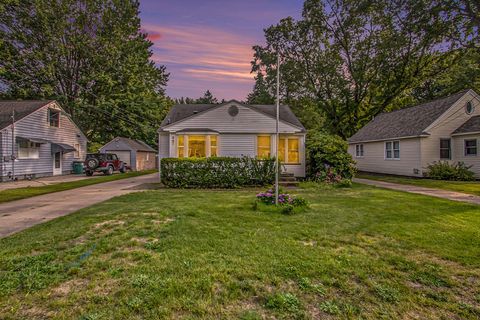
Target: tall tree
[(355, 59), (91, 56), (207, 98), (261, 93)]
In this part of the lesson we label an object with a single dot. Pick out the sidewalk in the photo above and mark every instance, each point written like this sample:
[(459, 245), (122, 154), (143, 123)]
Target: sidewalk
[(43, 181), (444, 194), (19, 215)]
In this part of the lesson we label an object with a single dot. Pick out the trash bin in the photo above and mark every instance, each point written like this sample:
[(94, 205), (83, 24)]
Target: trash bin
[(77, 167)]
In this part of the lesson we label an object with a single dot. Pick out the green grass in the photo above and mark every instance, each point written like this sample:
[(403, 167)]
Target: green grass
[(359, 253), (470, 187), (27, 192)]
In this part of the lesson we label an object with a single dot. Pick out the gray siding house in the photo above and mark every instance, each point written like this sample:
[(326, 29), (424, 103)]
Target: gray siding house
[(233, 129), (406, 141), (43, 140), (135, 153)]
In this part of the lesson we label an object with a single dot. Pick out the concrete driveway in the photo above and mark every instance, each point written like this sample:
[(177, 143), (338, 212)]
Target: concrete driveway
[(19, 215)]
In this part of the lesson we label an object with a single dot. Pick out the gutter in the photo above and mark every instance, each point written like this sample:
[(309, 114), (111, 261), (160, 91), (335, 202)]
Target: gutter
[(425, 135)]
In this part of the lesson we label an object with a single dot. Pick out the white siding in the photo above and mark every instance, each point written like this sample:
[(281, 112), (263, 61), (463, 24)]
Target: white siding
[(458, 149), (36, 125), (444, 127), (163, 145), (246, 121), (237, 145), (374, 158)]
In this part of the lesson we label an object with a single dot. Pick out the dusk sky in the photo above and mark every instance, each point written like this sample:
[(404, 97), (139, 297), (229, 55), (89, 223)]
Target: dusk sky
[(206, 44)]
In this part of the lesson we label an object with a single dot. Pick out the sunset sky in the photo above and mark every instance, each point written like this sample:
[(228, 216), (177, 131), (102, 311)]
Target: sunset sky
[(206, 44)]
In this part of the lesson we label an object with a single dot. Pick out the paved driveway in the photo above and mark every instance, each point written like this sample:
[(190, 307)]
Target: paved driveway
[(445, 194), (18, 215)]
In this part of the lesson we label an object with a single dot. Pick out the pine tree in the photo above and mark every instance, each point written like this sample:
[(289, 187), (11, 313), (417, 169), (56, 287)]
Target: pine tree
[(260, 93)]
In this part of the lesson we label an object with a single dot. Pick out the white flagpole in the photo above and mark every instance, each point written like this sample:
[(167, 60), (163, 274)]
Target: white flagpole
[(277, 140)]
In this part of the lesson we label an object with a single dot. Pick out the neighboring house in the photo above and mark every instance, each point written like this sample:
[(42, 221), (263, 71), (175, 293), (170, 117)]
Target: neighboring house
[(44, 140), (233, 129), (406, 141), (135, 153)]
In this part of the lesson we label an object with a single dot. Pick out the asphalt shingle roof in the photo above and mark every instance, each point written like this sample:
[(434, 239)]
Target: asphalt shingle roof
[(182, 111), (471, 125), (137, 145), (407, 122), (22, 109)]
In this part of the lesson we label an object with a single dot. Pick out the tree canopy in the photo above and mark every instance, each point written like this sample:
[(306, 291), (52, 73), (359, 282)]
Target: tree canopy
[(356, 58), (92, 57)]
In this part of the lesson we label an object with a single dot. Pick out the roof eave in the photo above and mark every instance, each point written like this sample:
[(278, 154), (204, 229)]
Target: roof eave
[(423, 135)]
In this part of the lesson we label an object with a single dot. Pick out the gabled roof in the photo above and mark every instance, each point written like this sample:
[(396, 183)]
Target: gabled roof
[(407, 122), (471, 125), (136, 145), (22, 109), (182, 111)]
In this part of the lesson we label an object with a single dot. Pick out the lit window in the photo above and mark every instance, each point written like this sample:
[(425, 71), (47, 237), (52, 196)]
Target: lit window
[(281, 149), (181, 147), (392, 150), (293, 152), (54, 118), (213, 146), (445, 149), (197, 146), (263, 147), (359, 150), (28, 150), (471, 147)]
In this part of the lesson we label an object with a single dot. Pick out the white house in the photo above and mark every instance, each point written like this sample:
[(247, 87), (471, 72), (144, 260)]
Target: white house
[(233, 129), (405, 141), (43, 140)]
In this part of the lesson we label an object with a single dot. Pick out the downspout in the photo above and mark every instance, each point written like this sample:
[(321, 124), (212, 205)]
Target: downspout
[(2, 159), (13, 145)]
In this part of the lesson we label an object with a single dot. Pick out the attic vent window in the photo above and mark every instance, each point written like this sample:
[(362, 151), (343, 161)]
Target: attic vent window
[(469, 107), (233, 111)]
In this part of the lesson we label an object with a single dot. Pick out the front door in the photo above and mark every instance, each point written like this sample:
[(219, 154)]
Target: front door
[(57, 163)]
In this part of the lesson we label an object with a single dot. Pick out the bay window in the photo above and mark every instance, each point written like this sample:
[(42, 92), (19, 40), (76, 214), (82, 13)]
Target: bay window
[(197, 146)]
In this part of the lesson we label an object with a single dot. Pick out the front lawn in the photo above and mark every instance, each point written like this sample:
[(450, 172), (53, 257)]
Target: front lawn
[(470, 187), (27, 192), (364, 253)]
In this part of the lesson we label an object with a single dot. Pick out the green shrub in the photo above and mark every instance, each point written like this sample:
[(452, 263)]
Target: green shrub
[(328, 158), (443, 170), (216, 172)]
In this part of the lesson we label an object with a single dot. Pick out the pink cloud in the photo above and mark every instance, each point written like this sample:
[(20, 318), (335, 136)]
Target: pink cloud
[(208, 54)]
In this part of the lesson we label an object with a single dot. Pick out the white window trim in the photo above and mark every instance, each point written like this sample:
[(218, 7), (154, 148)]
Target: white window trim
[(393, 150), (465, 147), (361, 148), (208, 151), (285, 156)]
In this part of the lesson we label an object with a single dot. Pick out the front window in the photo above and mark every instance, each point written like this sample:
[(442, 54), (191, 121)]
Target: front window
[(288, 150), (181, 146), (28, 150), (197, 146), (54, 118), (392, 150), (263, 147), (213, 146), (471, 147), (359, 150), (445, 149)]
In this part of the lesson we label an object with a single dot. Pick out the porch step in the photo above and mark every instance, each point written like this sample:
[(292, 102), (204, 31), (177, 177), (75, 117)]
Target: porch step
[(288, 183)]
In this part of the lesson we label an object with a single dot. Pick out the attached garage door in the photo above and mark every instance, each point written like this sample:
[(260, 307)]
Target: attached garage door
[(122, 155)]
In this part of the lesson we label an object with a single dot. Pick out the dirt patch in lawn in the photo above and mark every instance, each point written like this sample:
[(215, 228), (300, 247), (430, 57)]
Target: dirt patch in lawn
[(65, 288)]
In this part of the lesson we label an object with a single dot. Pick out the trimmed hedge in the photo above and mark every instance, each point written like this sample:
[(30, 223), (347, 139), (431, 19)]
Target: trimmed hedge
[(216, 172)]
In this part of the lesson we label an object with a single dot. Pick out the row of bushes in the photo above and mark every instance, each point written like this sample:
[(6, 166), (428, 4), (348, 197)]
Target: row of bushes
[(443, 170), (216, 172)]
